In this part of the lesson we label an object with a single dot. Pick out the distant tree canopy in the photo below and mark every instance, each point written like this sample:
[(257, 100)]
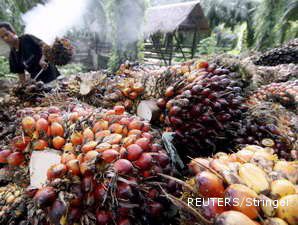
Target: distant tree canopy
[(11, 11)]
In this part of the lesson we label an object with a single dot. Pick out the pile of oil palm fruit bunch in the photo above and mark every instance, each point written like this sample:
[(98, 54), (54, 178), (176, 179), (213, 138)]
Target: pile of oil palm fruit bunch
[(60, 52), (109, 168), (282, 55), (114, 167), (250, 186)]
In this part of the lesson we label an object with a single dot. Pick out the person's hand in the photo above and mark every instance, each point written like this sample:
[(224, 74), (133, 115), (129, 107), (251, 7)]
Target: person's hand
[(43, 64)]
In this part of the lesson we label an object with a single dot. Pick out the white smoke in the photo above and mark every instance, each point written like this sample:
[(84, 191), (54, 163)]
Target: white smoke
[(54, 18)]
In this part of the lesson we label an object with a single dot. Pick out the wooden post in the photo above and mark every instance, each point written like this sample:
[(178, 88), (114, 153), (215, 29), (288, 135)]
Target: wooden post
[(194, 45)]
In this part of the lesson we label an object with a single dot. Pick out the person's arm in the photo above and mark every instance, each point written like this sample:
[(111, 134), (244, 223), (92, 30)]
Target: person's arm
[(22, 78)]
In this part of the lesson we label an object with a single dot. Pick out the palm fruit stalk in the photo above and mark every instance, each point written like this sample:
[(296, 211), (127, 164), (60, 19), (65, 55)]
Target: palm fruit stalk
[(109, 169), (282, 55), (227, 184), (60, 53), (202, 112)]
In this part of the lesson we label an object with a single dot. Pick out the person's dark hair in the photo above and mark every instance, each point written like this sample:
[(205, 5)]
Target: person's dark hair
[(7, 26)]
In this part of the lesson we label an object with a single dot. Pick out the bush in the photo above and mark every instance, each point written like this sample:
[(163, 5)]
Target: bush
[(72, 68)]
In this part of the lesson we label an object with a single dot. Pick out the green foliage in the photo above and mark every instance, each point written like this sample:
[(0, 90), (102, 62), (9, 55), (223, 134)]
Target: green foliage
[(11, 11), (72, 68), (4, 68)]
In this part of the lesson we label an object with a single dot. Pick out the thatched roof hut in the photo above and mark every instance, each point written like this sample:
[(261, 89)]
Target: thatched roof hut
[(181, 16)]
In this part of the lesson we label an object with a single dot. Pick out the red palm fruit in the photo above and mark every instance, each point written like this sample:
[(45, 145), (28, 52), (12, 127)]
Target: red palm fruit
[(88, 135), (55, 118), (156, 147), (76, 138), (213, 207), (135, 132), (110, 113), (243, 195), (119, 109), (100, 192), (144, 161), (170, 91), (39, 144), (134, 151), (163, 159), (56, 171), (124, 191), (135, 125), (76, 190), (74, 215), (116, 128), (175, 110), (102, 134), (154, 209), (67, 156), (103, 217), (129, 140), (113, 139), (89, 146), (88, 184), (147, 135), (45, 196), (146, 127), (28, 124), (3, 155), (103, 146), (176, 121), (209, 185), (161, 103), (202, 65), (54, 109), (91, 156), (124, 121), (110, 155), (85, 168), (74, 116), (36, 117), (198, 165), (57, 129), (30, 191), (124, 222), (144, 143), (147, 173), (42, 126), (73, 167), (20, 143), (100, 125), (68, 147), (57, 210), (58, 142), (123, 166)]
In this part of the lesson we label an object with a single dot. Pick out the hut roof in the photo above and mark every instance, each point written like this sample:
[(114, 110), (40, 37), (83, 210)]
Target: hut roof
[(181, 16)]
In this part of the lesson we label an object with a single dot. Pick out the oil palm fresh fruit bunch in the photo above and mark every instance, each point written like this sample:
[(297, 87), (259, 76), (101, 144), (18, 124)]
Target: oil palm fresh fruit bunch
[(284, 93), (109, 169), (32, 91), (282, 55), (13, 205), (202, 112), (60, 53), (225, 186)]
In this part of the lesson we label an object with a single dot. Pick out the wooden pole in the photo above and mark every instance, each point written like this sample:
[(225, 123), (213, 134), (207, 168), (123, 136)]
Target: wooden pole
[(194, 44)]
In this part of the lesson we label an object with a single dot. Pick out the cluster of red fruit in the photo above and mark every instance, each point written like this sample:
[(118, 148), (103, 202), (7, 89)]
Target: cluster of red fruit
[(110, 159)]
